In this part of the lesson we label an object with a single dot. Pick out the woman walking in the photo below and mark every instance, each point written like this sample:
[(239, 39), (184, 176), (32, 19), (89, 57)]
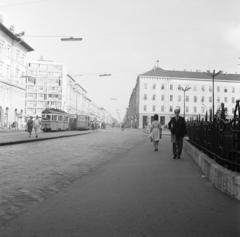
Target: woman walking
[(37, 125), (30, 126), (156, 132)]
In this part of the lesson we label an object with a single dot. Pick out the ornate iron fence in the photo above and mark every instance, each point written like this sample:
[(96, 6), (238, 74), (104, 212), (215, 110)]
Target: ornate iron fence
[(219, 138)]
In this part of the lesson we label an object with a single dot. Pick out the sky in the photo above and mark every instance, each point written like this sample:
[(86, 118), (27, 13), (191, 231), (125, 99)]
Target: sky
[(125, 38)]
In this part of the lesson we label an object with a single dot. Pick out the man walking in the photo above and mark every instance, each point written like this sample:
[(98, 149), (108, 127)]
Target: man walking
[(177, 126)]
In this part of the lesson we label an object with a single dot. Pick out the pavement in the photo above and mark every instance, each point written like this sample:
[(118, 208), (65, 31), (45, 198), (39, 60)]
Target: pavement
[(135, 192), (13, 137)]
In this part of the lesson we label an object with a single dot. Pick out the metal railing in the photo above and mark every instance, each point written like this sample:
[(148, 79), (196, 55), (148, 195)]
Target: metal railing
[(219, 138)]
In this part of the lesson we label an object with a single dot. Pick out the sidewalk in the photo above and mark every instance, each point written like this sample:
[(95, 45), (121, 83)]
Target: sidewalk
[(20, 136), (143, 194)]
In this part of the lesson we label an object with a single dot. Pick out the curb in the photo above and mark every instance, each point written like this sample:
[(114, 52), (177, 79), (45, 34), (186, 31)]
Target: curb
[(223, 179), (41, 139)]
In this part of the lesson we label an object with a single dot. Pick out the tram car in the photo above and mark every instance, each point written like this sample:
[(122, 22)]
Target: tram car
[(82, 122), (58, 120), (55, 120)]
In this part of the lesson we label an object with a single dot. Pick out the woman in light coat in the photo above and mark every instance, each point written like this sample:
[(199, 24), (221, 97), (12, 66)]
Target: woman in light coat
[(156, 132), (37, 125)]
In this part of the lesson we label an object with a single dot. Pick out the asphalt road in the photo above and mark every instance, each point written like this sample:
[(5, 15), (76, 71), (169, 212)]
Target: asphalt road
[(129, 190)]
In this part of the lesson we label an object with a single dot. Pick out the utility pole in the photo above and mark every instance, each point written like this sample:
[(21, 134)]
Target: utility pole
[(213, 75)]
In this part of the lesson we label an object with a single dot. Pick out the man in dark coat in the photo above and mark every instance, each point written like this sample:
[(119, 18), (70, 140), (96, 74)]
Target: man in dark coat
[(177, 126)]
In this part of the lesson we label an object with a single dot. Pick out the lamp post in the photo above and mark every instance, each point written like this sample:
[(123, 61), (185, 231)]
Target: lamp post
[(213, 75), (184, 91)]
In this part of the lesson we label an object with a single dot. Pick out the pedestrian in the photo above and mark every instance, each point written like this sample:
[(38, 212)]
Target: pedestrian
[(37, 125), (177, 126), (155, 132), (30, 125)]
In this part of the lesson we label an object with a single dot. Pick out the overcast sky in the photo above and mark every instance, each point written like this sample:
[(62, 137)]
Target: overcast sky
[(125, 38)]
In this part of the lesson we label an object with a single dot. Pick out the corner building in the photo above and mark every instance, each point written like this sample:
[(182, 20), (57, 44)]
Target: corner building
[(158, 91), (13, 52)]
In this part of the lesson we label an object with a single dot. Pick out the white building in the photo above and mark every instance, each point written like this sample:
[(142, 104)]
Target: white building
[(13, 51), (159, 91), (74, 99), (44, 83)]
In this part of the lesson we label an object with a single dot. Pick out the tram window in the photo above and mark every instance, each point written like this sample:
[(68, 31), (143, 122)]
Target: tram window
[(54, 117), (60, 118), (46, 117)]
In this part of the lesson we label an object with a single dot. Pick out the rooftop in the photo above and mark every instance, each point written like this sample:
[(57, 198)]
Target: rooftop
[(14, 37), (159, 72)]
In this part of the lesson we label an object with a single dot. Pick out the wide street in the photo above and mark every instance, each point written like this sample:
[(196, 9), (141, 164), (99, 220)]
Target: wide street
[(108, 183)]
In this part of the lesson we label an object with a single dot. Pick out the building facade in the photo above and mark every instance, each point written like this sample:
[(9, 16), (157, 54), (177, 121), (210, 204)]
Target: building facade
[(13, 51), (44, 86), (74, 97), (160, 91)]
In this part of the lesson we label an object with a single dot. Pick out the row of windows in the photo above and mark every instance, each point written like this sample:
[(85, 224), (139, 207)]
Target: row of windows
[(195, 88), (8, 49), (170, 109), (195, 98)]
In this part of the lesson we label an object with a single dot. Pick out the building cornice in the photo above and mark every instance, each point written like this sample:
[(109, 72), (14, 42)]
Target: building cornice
[(13, 85), (189, 79), (14, 37)]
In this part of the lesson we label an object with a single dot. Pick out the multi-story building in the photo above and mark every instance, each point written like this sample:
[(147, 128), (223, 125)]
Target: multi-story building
[(74, 98), (13, 51), (160, 91), (44, 86)]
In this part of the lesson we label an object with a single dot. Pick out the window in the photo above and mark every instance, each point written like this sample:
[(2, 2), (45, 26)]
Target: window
[(171, 87), (154, 86), (195, 109), (145, 96), (162, 97), (162, 87), (210, 99), (218, 89), (171, 97), (179, 98), (145, 85), (225, 90), (154, 108), (202, 100), (154, 97), (218, 99), (195, 99), (162, 108), (233, 100), (233, 109), (202, 110), (30, 87), (233, 89), (203, 88), (145, 108), (187, 109), (179, 87), (170, 109), (225, 99), (187, 98), (210, 88)]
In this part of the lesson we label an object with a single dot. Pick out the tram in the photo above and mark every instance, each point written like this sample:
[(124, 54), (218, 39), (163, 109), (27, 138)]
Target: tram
[(82, 122), (58, 120), (55, 120)]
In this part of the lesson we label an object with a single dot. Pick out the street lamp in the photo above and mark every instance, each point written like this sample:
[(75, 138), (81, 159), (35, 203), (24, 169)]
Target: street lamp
[(184, 91), (213, 75)]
